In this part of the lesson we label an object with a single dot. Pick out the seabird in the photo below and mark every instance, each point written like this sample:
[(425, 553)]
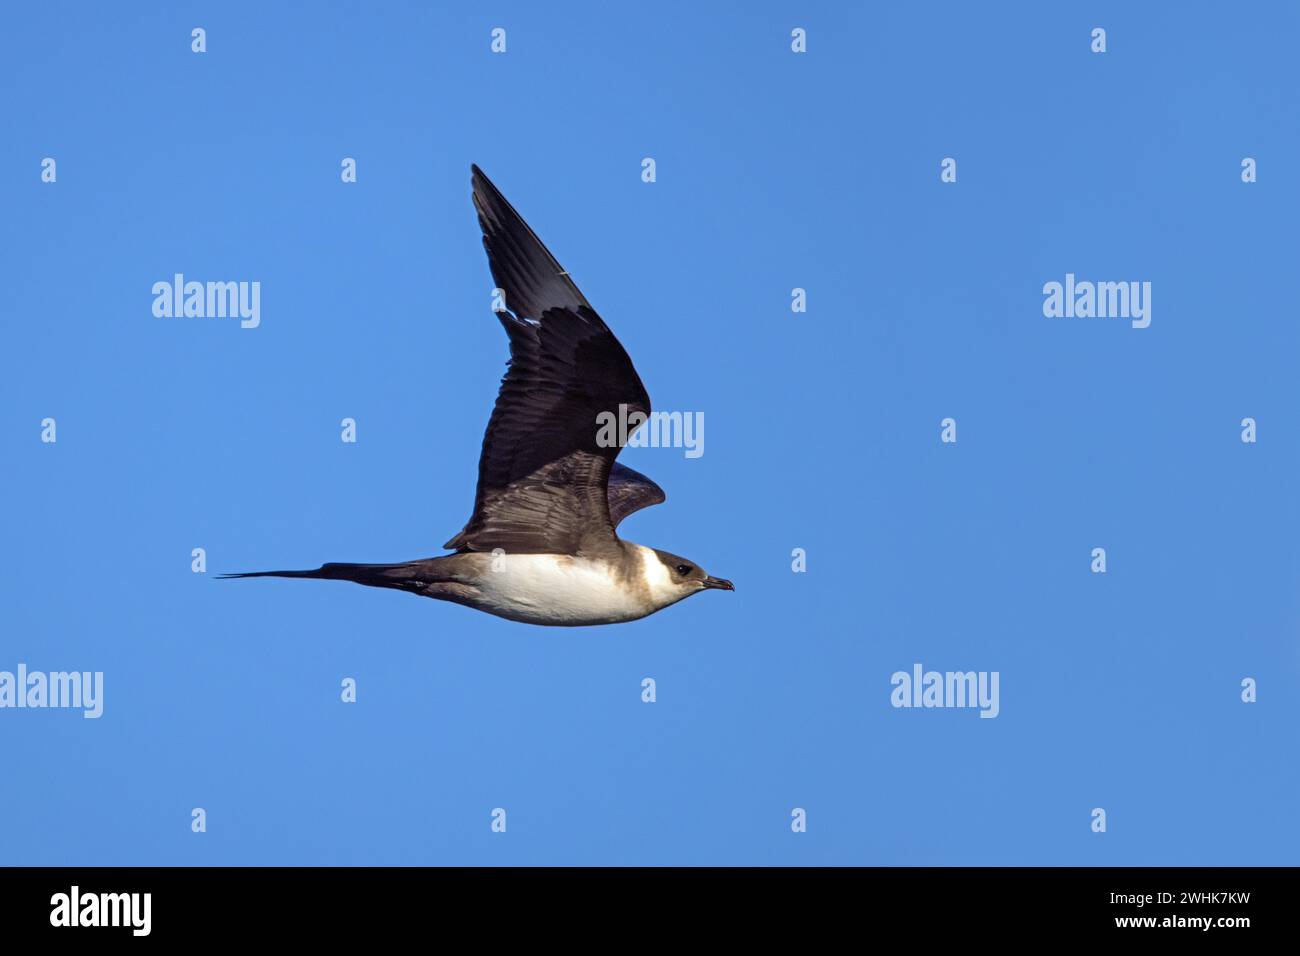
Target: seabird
[(541, 546)]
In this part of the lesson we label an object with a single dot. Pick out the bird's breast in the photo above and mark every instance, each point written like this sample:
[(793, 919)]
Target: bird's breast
[(559, 589)]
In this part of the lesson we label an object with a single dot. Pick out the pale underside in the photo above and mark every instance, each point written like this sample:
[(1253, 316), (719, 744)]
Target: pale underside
[(559, 589)]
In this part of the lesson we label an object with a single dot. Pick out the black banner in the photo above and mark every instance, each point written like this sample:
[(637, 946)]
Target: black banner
[(207, 905)]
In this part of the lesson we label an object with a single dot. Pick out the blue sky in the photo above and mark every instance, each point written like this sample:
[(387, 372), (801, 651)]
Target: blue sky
[(775, 170)]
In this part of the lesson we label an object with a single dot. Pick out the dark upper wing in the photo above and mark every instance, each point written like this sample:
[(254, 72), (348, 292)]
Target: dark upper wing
[(522, 267), (542, 479)]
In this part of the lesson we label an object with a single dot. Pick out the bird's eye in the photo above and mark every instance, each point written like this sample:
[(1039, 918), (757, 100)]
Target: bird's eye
[(684, 569)]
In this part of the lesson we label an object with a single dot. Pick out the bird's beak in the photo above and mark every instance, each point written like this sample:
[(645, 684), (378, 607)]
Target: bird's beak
[(722, 584)]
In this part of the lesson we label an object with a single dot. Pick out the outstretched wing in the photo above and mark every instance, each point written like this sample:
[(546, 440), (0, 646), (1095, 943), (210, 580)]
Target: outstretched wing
[(543, 477)]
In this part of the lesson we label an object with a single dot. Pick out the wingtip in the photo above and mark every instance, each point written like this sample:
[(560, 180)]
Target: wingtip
[(479, 179), (482, 190), (489, 196)]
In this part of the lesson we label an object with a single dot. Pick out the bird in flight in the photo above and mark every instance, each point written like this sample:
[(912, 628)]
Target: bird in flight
[(542, 546)]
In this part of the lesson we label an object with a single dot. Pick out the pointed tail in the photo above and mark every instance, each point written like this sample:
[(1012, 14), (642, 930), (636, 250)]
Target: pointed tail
[(404, 576)]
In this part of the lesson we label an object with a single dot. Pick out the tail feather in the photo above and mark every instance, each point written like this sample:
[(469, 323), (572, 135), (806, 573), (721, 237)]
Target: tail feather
[(374, 575)]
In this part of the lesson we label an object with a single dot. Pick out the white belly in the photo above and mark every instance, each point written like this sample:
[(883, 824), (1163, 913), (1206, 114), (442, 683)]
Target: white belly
[(557, 589)]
